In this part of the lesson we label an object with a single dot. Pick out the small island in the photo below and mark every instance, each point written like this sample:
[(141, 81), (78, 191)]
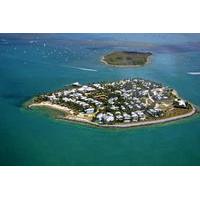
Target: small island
[(124, 103), (126, 58)]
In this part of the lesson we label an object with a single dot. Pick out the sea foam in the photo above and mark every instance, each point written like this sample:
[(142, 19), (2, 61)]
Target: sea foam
[(85, 69), (194, 73)]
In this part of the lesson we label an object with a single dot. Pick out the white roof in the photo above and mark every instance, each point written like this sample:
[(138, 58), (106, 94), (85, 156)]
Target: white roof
[(110, 118), (181, 102)]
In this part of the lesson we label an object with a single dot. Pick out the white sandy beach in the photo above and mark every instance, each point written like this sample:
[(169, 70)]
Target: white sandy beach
[(50, 105), (71, 117)]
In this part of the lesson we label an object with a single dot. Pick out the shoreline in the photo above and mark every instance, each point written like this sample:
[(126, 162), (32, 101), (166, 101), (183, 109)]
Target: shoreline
[(123, 125)]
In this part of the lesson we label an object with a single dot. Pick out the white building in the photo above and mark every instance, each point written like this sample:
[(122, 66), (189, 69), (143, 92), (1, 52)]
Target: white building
[(86, 88), (181, 103), (109, 117), (127, 118), (134, 116), (89, 110), (100, 117), (141, 115)]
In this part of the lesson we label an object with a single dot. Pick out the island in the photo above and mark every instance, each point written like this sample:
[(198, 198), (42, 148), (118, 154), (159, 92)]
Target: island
[(123, 103), (126, 58)]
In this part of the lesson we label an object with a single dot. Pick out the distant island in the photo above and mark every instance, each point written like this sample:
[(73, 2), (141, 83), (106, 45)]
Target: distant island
[(124, 103), (126, 58)]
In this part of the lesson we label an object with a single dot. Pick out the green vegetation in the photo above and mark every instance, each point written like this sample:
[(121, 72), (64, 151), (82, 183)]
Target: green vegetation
[(127, 58), (40, 99), (123, 101)]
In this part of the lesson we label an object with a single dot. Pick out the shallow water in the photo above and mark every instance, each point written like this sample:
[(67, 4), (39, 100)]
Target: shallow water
[(29, 68)]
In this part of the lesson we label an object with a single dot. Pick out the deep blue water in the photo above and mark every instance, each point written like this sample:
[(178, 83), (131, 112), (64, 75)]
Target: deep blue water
[(35, 63)]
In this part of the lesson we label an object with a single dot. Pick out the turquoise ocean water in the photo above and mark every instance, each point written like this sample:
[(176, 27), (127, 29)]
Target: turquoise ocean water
[(31, 64)]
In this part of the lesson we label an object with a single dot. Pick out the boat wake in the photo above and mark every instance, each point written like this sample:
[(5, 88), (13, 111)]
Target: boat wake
[(85, 69), (194, 73)]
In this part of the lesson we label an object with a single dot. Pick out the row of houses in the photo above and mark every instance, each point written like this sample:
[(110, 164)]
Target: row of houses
[(120, 117), (76, 96), (125, 101), (135, 116)]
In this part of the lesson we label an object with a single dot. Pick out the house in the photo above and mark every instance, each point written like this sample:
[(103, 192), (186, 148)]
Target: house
[(65, 99), (138, 106), (118, 92), (98, 86), (66, 92), (112, 100), (134, 117), (83, 98), (114, 107), (89, 110), (141, 115), (127, 118), (52, 97), (97, 103), (165, 97), (109, 118), (105, 118), (130, 107), (123, 108), (86, 88), (159, 112), (155, 112), (180, 103), (100, 117), (83, 104), (59, 94), (144, 92), (118, 116)]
